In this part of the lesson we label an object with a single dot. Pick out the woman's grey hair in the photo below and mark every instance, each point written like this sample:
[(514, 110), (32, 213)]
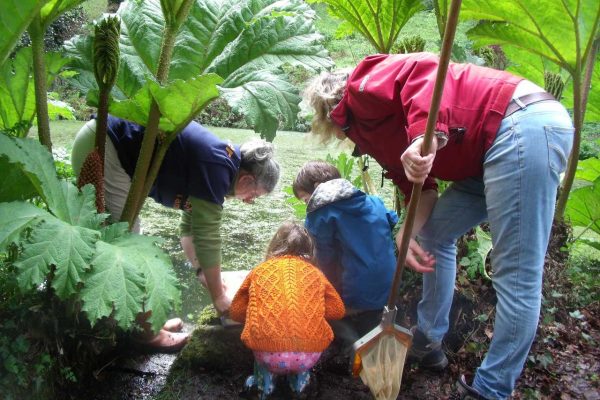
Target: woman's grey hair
[(323, 93), (257, 159)]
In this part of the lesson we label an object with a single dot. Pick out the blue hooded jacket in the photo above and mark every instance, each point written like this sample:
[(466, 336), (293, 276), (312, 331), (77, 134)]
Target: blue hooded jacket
[(354, 243)]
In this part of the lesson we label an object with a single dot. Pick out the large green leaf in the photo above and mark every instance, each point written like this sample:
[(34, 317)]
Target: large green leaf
[(231, 38), (17, 92), (16, 216), (588, 170), (67, 247), (114, 286), (379, 21), (178, 102), (269, 42), (583, 207), (265, 96), (36, 164), (592, 111), (552, 29), (81, 206), (33, 160), (161, 292), (532, 67), (15, 17), (15, 183)]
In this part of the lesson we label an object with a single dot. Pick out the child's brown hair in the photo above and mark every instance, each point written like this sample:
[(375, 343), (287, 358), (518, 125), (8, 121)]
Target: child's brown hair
[(291, 239), (311, 174)]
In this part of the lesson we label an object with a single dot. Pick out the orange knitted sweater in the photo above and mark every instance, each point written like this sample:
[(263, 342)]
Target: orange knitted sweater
[(284, 303)]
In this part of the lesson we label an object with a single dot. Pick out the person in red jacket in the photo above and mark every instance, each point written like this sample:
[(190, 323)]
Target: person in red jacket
[(284, 303), (503, 142)]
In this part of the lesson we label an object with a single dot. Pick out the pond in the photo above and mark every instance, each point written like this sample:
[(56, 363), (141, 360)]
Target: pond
[(246, 228)]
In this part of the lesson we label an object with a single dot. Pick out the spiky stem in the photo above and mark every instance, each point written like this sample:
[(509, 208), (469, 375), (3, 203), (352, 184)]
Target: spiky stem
[(137, 193), (580, 96), (36, 32)]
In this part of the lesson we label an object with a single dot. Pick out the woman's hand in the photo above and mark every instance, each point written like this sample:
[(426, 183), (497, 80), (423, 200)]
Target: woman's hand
[(418, 259), (417, 167), (222, 304)]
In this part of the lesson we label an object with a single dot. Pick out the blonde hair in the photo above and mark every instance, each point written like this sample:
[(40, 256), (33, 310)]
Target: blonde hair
[(323, 93), (291, 239)]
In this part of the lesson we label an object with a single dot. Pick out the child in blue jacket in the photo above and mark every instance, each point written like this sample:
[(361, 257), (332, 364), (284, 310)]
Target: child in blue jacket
[(355, 246)]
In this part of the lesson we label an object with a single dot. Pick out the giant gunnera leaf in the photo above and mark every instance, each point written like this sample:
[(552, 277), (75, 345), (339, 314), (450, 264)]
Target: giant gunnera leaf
[(14, 19), (245, 42), (28, 160), (561, 32), (130, 275), (63, 247)]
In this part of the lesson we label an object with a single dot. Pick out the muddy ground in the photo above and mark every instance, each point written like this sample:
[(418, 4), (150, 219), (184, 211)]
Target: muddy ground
[(215, 363)]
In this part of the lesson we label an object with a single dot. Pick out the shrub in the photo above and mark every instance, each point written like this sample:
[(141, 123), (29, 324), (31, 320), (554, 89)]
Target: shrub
[(219, 113), (64, 28)]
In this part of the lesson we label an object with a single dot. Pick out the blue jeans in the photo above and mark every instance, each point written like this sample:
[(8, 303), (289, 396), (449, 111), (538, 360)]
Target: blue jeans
[(517, 197)]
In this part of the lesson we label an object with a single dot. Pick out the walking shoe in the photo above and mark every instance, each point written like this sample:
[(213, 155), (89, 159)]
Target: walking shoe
[(465, 392), (429, 355)]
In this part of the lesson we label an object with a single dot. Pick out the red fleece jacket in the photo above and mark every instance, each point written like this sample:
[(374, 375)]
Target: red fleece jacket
[(387, 100)]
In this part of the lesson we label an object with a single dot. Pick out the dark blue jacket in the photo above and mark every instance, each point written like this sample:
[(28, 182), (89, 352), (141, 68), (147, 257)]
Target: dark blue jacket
[(197, 163), (354, 242)]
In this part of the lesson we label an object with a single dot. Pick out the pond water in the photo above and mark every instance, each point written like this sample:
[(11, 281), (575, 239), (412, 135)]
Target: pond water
[(246, 228)]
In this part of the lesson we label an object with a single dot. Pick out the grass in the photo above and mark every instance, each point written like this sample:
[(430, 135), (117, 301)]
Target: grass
[(348, 51), (94, 8), (62, 132)]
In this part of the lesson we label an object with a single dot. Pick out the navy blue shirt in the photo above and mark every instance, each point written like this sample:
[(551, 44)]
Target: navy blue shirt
[(197, 163)]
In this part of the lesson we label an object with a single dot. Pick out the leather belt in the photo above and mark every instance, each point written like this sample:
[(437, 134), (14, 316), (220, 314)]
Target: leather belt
[(519, 103)]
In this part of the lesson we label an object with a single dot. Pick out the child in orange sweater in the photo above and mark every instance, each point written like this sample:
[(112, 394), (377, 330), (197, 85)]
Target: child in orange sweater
[(284, 303)]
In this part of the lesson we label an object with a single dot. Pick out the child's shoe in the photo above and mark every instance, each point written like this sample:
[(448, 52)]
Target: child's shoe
[(260, 385), (304, 386)]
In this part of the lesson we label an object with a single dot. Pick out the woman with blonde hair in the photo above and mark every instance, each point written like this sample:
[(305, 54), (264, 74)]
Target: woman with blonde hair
[(503, 142)]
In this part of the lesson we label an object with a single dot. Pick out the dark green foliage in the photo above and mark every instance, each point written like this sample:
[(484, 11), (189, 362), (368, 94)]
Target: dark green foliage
[(590, 142), (589, 150), (583, 272), (64, 28), (219, 113)]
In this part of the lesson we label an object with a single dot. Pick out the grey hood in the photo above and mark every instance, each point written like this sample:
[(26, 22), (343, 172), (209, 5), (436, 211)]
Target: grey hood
[(329, 192)]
